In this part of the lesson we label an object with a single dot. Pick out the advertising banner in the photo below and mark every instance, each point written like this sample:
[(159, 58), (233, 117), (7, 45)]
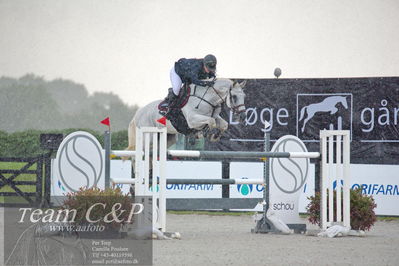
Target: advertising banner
[(255, 171), (368, 107), (187, 169), (384, 188), (381, 182)]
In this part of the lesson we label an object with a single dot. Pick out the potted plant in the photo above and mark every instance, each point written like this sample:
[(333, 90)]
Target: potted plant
[(362, 207), (103, 208)]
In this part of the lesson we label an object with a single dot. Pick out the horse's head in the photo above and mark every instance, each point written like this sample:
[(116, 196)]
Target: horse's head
[(344, 102), (236, 99)]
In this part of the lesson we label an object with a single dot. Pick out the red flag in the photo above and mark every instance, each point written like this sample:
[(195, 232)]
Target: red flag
[(106, 122), (162, 120)]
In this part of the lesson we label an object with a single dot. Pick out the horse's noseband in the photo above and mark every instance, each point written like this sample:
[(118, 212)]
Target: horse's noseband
[(236, 109)]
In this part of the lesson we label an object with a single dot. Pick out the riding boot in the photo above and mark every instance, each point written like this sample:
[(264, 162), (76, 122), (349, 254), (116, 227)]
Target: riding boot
[(169, 102), (171, 99)]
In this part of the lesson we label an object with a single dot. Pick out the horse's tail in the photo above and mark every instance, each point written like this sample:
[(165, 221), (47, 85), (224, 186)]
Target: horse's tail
[(131, 133), (302, 113)]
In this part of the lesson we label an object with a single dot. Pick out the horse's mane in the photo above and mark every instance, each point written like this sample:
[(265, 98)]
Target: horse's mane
[(223, 81)]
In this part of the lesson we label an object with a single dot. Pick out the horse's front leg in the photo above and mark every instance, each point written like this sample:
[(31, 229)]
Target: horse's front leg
[(221, 123), (199, 121), (221, 126)]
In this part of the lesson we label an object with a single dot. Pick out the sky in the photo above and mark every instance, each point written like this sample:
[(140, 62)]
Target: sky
[(129, 46)]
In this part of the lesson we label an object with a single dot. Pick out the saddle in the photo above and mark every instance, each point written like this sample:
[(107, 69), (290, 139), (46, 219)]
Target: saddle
[(182, 100), (175, 115)]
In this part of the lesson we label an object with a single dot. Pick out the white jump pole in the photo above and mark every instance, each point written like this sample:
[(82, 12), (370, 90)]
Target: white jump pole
[(241, 154), (346, 177), (239, 181), (130, 181), (122, 153)]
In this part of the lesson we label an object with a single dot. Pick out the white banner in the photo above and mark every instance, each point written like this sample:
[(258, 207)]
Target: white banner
[(179, 169), (381, 182), (383, 187), (255, 170), (121, 169), (192, 170)]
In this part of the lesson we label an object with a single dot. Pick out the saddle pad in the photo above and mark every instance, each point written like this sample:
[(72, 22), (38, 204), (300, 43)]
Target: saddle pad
[(184, 94)]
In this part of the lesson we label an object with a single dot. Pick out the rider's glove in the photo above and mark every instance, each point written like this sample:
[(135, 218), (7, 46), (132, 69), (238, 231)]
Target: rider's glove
[(209, 83)]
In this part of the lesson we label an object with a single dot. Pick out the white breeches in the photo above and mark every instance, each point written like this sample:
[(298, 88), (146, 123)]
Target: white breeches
[(176, 81)]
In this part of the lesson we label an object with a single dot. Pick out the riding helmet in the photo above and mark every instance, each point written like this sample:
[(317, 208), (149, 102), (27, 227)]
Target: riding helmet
[(210, 62)]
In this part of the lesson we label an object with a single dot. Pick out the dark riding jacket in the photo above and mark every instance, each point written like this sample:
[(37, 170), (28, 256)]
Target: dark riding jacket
[(192, 71)]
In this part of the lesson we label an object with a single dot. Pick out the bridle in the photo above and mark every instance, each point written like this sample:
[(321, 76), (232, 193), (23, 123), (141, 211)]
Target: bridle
[(235, 109)]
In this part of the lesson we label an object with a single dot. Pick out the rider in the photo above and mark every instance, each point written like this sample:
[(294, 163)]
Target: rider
[(190, 71)]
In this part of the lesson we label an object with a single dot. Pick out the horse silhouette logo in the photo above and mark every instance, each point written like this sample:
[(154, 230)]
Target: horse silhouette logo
[(328, 105)]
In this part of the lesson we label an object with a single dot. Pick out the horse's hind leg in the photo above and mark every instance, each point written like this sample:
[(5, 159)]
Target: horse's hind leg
[(131, 133)]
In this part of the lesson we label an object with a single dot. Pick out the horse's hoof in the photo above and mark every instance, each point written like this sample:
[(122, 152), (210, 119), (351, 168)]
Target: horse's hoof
[(191, 140), (214, 134), (215, 138)]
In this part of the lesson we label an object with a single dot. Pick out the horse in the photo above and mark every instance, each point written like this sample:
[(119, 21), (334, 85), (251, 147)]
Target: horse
[(202, 111), (327, 105)]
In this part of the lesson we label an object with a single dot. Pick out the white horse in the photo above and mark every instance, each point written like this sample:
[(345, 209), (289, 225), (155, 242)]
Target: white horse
[(202, 111)]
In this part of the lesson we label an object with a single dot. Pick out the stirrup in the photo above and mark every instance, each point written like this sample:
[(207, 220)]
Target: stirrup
[(165, 111)]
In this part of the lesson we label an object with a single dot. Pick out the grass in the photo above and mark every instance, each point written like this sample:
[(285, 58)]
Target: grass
[(20, 177), (387, 218), (12, 165)]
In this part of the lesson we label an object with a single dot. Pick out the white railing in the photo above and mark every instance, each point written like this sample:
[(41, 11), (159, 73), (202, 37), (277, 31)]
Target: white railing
[(335, 176)]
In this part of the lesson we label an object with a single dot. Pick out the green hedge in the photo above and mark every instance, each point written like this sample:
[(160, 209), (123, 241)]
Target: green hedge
[(27, 143)]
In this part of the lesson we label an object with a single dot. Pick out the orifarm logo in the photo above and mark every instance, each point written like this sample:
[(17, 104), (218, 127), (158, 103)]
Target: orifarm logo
[(247, 189)]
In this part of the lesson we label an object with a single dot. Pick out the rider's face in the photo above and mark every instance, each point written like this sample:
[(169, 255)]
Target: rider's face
[(207, 70)]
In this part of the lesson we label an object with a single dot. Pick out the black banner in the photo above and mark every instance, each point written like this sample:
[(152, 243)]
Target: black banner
[(368, 107)]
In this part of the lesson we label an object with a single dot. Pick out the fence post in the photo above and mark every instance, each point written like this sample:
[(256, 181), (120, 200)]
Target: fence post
[(266, 171), (47, 179), (317, 174), (225, 175), (39, 179), (107, 147)]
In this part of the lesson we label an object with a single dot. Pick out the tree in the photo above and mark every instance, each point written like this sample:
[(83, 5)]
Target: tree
[(31, 102)]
